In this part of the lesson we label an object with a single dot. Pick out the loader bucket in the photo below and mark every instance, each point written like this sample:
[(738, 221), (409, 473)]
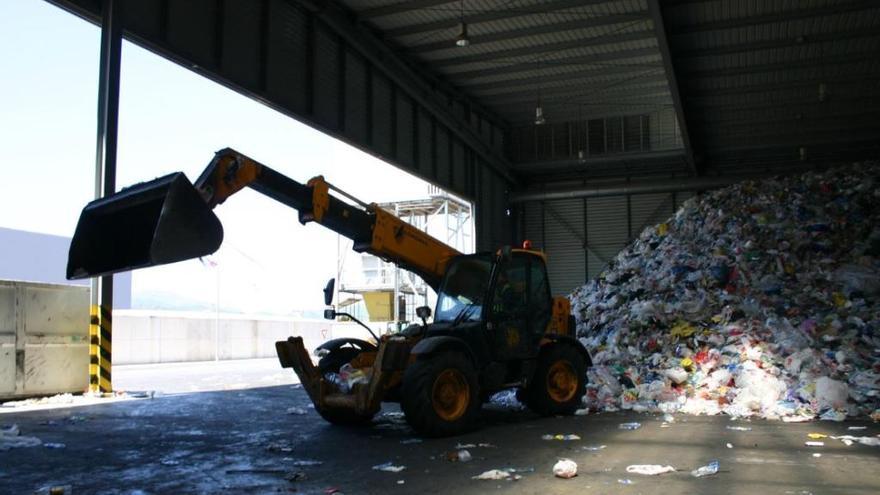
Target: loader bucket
[(153, 223)]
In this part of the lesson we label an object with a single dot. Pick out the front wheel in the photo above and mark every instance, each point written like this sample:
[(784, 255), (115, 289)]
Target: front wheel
[(559, 383), (440, 395)]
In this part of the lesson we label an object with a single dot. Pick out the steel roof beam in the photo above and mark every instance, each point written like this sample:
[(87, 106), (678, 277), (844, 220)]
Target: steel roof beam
[(599, 58), (819, 62), (534, 83), (533, 31), (772, 102), (760, 88), (782, 17), (578, 88), (804, 40), (399, 8), (527, 51), (663, 44), (491, 15), (628, 188)]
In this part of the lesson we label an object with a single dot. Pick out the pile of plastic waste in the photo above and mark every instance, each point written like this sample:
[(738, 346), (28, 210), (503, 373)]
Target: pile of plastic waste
[(761, 299)]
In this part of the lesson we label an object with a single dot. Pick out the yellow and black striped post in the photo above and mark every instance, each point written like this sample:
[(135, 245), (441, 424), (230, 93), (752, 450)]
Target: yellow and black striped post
[(100, 350), (100, 328)]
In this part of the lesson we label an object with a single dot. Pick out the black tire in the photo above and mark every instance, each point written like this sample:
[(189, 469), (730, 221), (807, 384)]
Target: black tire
[(432, 391), (547, 393), (344, 417)]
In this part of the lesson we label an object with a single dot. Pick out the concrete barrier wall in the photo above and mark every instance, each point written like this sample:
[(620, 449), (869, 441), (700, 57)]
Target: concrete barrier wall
[(44, 346), (141, 337)]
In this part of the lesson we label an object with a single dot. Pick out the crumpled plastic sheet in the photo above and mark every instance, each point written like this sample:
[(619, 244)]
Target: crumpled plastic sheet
[(761, 299), (565, 468)]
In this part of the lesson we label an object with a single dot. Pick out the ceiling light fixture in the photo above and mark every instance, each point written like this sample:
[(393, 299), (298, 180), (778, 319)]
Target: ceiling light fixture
[(539, 111), (539, 115), (462, 40)]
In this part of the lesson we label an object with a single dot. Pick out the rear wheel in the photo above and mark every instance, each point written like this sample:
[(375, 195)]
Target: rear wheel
[(440, 395), (559, 383)]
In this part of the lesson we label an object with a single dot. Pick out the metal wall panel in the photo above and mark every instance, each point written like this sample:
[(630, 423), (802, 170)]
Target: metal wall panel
[(458, 166), (326, 78), (382, 115), (442, 145), (532, 220), (240, 41), (190, 29), (606, 231), (145, 18), (648, 210), (424, 133), (356, 107), (286, 57), (405, 151), (681, 197), (564, 244)]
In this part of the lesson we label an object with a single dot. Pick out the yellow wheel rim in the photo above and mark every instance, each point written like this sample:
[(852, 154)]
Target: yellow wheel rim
[(562, 381), (450, 395)]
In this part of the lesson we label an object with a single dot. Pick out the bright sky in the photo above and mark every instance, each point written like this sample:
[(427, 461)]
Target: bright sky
[(170, 119)]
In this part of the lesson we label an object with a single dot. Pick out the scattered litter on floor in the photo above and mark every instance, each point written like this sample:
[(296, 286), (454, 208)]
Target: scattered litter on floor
[(729, 445), (707, 470), (508, 400), (593, 448), (649, 469), (739, 428), (582, 412), (817, 454), (169, 462), (55, 490), (630, 426), (565, 468), (297, 411), (11, 438), (296, 476), (817, 436), (849, 440), (626, 481), (282, 447), (756, 300), (400, 482), (564, 438), (306, 463), (814, 444), (460, 446), (493, 474), (255, 471), (410, 441), (856, 428), (388, 467), (54, 445), (458, 456)]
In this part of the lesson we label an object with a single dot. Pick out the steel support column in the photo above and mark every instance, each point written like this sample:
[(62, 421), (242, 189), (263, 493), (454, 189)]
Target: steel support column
[(100, 329), (662, 43)]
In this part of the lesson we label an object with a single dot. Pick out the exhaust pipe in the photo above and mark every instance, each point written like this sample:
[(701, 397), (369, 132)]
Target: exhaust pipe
[(153, 223)]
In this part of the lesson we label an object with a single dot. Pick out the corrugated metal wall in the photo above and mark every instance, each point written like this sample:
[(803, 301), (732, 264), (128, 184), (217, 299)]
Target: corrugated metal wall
[(580, 236)]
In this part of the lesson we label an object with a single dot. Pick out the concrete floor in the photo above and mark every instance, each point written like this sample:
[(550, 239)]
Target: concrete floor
[(245, 441)]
